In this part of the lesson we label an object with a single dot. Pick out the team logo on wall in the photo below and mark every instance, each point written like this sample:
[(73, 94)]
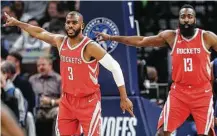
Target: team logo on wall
[(104, 25)]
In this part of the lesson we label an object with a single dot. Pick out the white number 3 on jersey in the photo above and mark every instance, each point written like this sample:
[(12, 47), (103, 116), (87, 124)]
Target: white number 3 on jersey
[(70, 73)]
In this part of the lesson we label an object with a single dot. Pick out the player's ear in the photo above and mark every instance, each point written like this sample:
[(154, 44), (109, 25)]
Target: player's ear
[(82, 26)]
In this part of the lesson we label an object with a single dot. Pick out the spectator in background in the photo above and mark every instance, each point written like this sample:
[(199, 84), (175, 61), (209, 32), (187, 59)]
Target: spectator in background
[(27, 42), (20, 81), (47, 86), (26, 118), (63, 9), (18, 7), (152, 74), (8, 70), (9, 35), (9, 100), (4, 51), (51, 13), (34, 9), (56, 26), (29, 47)]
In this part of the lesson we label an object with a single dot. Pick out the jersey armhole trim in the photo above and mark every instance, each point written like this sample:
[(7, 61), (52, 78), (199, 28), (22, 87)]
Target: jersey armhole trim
[(61, 46), (203, 44), (174, 44), (82, 52)]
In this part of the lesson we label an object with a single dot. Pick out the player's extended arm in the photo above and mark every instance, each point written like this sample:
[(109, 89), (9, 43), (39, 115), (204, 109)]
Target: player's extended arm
[(35, 31), (138, 41), (105, 59)]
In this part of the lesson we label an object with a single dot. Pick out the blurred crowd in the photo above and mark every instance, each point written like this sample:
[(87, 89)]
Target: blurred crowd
[(32, 95)]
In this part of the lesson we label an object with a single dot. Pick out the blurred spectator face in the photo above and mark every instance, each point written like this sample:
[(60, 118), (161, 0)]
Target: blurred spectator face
[(43, 66), (13, 60), (73, 25), (19, 7), (33, 22), (152, 74), (9, 11), (8, 69), (52, 9)]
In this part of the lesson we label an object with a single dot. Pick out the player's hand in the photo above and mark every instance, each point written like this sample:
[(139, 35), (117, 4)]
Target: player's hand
[(102, 36), (127, 105), (45, 100), (10, 21)]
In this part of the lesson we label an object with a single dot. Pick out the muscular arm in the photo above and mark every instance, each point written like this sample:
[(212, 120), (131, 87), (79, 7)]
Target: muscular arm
[(35, 31), (40, 33), (96, 51), (210, 40), (140, 41), (106, 60)]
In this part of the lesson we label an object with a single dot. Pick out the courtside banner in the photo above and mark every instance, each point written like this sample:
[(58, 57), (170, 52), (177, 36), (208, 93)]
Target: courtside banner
[(115, 123), (114, 18)]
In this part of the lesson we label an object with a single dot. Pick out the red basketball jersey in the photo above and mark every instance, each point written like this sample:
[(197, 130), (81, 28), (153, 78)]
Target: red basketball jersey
[(190, 60), (79, 77)]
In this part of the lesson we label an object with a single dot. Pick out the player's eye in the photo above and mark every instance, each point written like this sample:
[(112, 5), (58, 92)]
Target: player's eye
[(190, 16), (74, 22), (183, 16)]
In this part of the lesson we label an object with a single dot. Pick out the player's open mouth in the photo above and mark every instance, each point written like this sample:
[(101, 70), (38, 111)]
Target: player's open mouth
[(186, 26), (71, 31)]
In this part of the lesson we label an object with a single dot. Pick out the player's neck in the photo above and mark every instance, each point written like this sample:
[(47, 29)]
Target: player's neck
[(75, 40)]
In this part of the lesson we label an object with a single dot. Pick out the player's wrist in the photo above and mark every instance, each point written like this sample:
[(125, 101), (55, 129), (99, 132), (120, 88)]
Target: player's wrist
[(18, 23), (110, 38)]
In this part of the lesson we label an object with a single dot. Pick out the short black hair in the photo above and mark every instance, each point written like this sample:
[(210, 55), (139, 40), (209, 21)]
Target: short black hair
[(75, 13), (188, 6), (32, 19), (16, 55)]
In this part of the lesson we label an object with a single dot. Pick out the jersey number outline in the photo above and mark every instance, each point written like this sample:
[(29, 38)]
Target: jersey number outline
[(71, 77), (188, 65)]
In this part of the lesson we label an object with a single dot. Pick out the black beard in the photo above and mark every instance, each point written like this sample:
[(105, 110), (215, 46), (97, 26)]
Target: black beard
[(187, 32), (75, 35)]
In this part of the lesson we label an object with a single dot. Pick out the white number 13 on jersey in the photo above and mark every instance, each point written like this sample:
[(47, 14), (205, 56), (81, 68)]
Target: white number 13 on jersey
[(188, 66), (70, 73)]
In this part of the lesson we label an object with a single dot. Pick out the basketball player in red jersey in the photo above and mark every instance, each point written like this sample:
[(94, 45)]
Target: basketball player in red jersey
[(80, 102), (191, 91)]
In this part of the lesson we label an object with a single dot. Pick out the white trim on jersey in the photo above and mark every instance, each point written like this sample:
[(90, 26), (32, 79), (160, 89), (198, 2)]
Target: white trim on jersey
[(56, 127), (188, 40), (210, 117), (93, 70), (166, 113), (61, 46), (82, 53), (174, 44), (203, 44), (95, 119), (76, 46), (208, 66)]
